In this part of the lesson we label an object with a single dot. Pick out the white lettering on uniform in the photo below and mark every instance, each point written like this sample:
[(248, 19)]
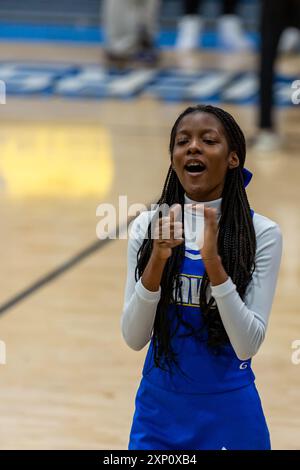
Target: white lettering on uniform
[(243, 365)]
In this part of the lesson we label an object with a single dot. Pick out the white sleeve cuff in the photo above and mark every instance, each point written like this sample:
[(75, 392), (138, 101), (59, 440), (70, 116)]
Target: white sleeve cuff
[(223, 289), (145, 294)]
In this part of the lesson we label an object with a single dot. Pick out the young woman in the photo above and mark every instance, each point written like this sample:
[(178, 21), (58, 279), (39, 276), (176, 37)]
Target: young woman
[(205, 312)]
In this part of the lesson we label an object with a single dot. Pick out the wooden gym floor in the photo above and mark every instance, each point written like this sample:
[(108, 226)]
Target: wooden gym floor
[(69, 381)]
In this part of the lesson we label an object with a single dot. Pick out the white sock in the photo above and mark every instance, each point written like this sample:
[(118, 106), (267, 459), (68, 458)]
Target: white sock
[(189, 29), (267, 140), (231, 34), (290, 40)]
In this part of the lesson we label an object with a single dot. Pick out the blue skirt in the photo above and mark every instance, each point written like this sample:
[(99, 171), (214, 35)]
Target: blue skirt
[(166, 420)]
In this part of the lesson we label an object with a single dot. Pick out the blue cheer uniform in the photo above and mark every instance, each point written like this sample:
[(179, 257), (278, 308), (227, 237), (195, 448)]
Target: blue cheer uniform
[(209, 401)]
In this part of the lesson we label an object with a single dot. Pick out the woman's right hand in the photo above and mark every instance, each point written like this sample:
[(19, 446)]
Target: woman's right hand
[(168, 233)]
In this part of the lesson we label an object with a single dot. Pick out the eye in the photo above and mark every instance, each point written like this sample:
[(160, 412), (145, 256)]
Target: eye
[(182, 141), (209, 141)]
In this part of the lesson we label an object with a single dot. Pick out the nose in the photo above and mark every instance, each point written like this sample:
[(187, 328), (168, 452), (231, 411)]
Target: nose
[(194, 146)]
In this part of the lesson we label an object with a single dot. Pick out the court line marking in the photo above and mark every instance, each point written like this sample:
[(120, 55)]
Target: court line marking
[(65, 266)]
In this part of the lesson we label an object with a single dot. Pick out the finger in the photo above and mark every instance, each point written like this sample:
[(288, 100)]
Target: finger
[(167, 228), (163, 227), (169, 233), (176, 231), (210, 215), (177, 242), (173, 233), (198, 209), (158, 232), (175, 213), (167, 221)]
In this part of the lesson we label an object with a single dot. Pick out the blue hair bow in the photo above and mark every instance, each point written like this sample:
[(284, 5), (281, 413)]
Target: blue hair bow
[(247, 176)]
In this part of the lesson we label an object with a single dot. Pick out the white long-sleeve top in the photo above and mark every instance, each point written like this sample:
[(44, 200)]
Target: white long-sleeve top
[(244, 321)]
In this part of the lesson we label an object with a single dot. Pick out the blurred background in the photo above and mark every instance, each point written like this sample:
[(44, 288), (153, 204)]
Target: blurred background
[(89, 93)]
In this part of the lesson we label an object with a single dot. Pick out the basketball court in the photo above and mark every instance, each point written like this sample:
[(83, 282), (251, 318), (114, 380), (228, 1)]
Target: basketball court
[(69, 381)]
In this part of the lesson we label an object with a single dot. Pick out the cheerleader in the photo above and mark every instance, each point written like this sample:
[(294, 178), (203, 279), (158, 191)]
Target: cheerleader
[(203, 306)]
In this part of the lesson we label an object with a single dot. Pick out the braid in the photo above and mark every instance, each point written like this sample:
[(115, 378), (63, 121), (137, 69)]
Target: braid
[(236, 245)]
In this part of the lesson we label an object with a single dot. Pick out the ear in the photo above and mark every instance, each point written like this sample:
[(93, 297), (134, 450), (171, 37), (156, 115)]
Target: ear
[(233, 160)]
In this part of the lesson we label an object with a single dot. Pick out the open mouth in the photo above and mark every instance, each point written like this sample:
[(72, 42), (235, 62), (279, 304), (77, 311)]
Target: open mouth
[(195, 167)]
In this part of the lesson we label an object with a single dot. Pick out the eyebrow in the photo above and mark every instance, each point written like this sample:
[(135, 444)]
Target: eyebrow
[(204, 131)]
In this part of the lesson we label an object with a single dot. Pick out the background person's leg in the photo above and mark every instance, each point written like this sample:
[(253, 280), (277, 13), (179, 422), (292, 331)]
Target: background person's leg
[(190, 7), (148, 20), (229, 7), (230, 29), (272, 25), (189, 26), (273, 22), (121, 26), (290, 39)]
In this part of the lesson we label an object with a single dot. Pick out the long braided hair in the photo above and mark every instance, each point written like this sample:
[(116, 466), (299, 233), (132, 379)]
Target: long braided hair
[(236, 245)]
